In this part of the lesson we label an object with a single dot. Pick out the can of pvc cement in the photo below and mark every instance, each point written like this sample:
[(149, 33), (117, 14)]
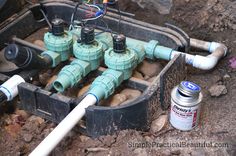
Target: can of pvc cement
[(185, 105)]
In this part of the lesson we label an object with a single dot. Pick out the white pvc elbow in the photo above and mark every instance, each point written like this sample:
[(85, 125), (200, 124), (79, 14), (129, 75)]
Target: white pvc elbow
[(205, 63), (217, 51)]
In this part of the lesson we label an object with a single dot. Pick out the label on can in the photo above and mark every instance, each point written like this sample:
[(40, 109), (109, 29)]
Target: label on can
[(184, 118)]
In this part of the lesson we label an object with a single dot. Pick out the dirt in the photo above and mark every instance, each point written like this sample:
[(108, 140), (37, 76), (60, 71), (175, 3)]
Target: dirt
[(212, 20)]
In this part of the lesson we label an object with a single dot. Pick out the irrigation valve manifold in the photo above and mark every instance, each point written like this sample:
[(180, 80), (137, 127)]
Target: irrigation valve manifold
[(102, 87)]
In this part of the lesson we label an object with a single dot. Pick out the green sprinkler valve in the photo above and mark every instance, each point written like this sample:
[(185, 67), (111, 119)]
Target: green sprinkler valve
[(58, 42), (121, 58), (88, 49), (120, 61), (88, 53)]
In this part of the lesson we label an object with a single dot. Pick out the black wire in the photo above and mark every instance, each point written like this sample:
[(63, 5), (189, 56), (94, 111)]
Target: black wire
[(74, 13), (119, 12), (107, 29), (46, 18)]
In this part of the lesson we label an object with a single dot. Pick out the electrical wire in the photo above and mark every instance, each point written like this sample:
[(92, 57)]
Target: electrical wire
[(119, 12), (73, 16), (46, 18), (99, 14)]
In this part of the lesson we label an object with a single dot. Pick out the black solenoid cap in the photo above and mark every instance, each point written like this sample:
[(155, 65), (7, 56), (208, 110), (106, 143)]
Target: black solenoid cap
[(57, 27), (87, 35), (119, 43)]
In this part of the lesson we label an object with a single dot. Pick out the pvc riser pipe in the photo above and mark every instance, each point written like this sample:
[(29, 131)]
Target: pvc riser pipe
[(208, 46), (64, 127)]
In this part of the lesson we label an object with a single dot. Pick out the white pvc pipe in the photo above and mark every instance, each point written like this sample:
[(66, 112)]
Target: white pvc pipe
[(217, 51), (64, 127), (9, 88)]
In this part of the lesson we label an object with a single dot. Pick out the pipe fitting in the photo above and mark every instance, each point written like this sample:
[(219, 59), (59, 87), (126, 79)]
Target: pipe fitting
[(204, 63), (150, 49), (54, 57), (154, 50), (138, 47), (214, 46), (105, 85), (71, 75)]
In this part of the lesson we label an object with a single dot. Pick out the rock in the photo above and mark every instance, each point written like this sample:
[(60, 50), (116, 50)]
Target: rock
[(51, 80), (131, 93), (43, 78), (138, 75), (22, 113), (165, 153), (8, 120), (17, 119), (117, 99), (217, 90), (13, 130), (39, 43), (159, 123), (226, 77), (150, 68), (83, 138), (28, 137), (36, 119), (140, 152), (175, 152), (83, 90)]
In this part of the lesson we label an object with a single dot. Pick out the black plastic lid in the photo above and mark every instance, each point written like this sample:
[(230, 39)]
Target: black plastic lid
[(16, 54), (87, 35), (57, 27), (119, 43)]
